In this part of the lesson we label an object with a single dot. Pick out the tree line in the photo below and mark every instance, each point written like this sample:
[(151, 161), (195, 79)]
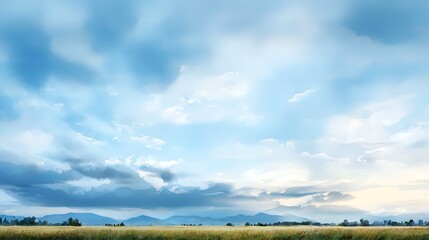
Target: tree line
[(365, 223), (32, 221), (362, 223), (114, 224)]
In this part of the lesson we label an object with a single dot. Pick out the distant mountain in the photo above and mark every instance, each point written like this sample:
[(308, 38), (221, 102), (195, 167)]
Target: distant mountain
[(178, 220), (399, 218), (237, 219), (142, 221), (262, 218), (338, 213), (90, 219), (324, 213)]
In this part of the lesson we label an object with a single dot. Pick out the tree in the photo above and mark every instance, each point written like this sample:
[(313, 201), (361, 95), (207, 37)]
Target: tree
[(229, 224), (71, 222), (76, 222), (27, 221), (410, 223), (345, 223), (247, 224), (364, 223), (122, 224), (1, 221)]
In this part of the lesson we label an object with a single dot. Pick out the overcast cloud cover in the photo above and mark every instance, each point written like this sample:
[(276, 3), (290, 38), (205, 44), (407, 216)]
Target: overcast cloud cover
[(214, 107)]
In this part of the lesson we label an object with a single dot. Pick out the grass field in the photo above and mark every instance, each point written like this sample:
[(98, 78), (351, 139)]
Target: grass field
[(149, 233)]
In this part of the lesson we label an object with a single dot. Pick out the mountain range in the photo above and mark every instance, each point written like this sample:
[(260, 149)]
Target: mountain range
[(91, 219)]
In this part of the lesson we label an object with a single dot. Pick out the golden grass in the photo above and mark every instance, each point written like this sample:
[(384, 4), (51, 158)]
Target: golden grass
[(218, 233)]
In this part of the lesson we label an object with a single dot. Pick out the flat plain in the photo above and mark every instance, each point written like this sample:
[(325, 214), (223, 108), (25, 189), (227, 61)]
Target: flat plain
[(218, 233)]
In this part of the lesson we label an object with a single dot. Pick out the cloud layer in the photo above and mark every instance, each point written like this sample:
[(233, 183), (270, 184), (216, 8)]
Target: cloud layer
[(214, 107)]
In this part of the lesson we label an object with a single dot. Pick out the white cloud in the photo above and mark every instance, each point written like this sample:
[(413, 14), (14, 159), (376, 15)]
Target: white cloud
[(30, 142), (149, 142), (34, 141), (299, 96), (368, 124), (268, 141), (86, 184), (226, 86), (73, 45), (7, 199), (153, 163), (175, 114), (325, 156)]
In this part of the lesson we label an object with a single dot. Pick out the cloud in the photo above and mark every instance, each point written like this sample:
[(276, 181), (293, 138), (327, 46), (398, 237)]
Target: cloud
[(166, 175), (33, 62), (216, 195), (7, 110), (107, 33), (15, 174), (381, 20), (212, 80), (151, 143), (330, 197), (299, 96), (31, 184), (301, 191), (124, 175)]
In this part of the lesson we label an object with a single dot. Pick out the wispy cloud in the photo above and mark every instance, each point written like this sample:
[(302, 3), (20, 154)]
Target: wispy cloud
[(149, 142), (299, 96)]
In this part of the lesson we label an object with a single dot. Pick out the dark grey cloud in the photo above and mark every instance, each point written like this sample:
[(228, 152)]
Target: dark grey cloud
[(156, 55), (298, 191), (12, 173), (389, 21), (156, 63), (30, 57), (109, 22), (28, 45), (17, 172), (30, 184), (107, 172), (124, 197), (177, 34), (119, 174), (318, 194), (165, 174)]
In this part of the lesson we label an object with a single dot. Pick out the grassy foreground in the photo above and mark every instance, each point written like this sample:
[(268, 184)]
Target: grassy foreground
[(201, 233)]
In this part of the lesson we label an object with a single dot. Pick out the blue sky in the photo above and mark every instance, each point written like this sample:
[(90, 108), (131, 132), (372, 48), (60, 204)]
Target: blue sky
[(197, 107)]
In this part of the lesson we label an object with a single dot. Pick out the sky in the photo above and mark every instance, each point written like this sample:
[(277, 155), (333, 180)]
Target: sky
[(214, 108)]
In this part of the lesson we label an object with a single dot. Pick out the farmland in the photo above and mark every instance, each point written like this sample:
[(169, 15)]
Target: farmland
[(148, 233)]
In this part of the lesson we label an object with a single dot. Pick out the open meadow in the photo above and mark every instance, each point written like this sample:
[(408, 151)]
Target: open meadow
[(201, 233)]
